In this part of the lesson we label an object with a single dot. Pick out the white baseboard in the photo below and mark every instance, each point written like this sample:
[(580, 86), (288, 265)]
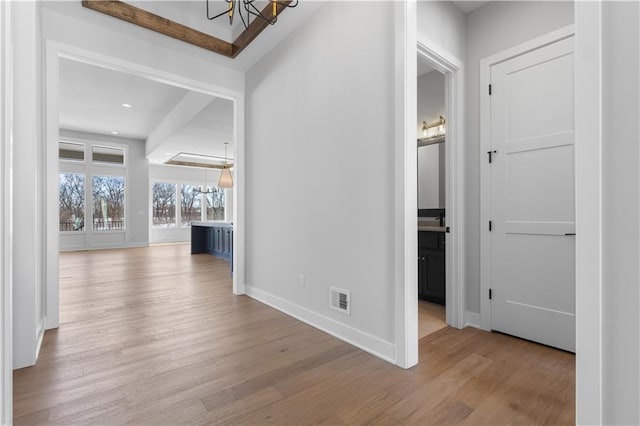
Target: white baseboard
[(368, 343), (104, 247), (471, 319)]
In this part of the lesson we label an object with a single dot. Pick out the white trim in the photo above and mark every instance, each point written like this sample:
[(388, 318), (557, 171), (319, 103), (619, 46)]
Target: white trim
[(471, 319), (452, 67), (54, 51), (6, 238), (238, 260), (368, 343), (588, 110), (107, 246), (485, 144), (408, 48), (405, 187)]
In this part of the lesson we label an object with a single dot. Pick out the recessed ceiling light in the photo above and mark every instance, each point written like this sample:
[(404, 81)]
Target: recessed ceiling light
[(126, 105), (167, 153), (114, 133)]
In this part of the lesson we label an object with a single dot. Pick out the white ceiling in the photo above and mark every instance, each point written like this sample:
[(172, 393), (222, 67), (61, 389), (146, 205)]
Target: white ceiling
[(205, 134), (470, 5), (91, 101), (423, 67)]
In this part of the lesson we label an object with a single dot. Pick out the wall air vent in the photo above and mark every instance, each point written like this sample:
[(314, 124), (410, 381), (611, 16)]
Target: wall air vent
[(340, 300)]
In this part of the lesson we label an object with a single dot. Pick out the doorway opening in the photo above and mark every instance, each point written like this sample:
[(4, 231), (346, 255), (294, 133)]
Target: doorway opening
[(432, 220), (450, 218), (97, 165)]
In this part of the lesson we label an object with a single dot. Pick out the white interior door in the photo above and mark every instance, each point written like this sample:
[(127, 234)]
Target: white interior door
[(533, 196)]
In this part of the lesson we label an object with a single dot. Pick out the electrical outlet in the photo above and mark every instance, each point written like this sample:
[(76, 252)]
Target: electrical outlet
[(301, 280)]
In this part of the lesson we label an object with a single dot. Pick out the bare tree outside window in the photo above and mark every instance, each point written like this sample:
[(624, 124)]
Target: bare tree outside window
[(164, 205), (191, 204), (215, 203), (71, 195), (108, 203)]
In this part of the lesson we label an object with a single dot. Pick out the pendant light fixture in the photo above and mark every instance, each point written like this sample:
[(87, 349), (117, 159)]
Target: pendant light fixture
[(226, 180), (207, 189), (246, 9)]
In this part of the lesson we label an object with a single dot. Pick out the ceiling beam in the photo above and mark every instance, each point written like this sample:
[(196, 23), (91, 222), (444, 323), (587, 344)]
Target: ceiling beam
[(185, 111), (151, 21), (256, 27)]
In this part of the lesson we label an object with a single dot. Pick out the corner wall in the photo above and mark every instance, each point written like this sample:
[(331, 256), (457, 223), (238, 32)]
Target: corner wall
[(319, 173), (28, 293), (620, 213)]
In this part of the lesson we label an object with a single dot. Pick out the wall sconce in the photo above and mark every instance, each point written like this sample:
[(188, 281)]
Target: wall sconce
[(434, 129)]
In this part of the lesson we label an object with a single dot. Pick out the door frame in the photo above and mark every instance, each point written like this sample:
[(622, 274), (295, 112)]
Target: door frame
[(56, 50), (485, 144), (452, 69), (408, 46)]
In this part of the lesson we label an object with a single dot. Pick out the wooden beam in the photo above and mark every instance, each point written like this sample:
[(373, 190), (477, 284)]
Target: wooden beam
[(153, 22), (256, 27), (156, 23)]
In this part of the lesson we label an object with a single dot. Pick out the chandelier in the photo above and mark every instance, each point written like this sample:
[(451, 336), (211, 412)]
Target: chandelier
[(247, 9)]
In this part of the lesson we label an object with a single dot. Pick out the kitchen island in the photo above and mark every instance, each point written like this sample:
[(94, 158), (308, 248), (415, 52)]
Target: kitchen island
[(215, 238)]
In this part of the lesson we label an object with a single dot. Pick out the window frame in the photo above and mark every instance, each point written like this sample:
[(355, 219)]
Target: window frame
[(178, 183), (177, 212), (90, 169)]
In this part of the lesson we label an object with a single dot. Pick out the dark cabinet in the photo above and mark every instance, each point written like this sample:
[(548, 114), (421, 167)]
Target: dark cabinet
[(208, 242), (216, 240), (222, 237), (431, 266), (227, 242)]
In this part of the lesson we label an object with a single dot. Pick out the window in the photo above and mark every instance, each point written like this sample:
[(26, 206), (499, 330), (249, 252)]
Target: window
[(71, 151), (190, 204), (215, 203), (108, 203), (107, 155), (71, 193), (164, 205), (83, 163)]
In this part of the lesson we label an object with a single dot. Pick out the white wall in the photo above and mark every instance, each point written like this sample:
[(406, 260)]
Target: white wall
[(28, 315), (492, 28), (621, 212), (136, 210), (320, 189), (6, 239), (431, 157), (442, 23), (179, 175)]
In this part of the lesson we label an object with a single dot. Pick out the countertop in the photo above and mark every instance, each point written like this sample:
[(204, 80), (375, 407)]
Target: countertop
[(212, 224)]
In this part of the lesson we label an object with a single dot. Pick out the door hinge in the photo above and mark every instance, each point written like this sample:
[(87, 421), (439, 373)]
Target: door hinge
[(491, 155), (490, 226), (489, 90), (490, 294)]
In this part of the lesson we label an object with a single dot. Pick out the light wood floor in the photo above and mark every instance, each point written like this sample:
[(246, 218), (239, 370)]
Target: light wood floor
[(431, 318), (155, 336)]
